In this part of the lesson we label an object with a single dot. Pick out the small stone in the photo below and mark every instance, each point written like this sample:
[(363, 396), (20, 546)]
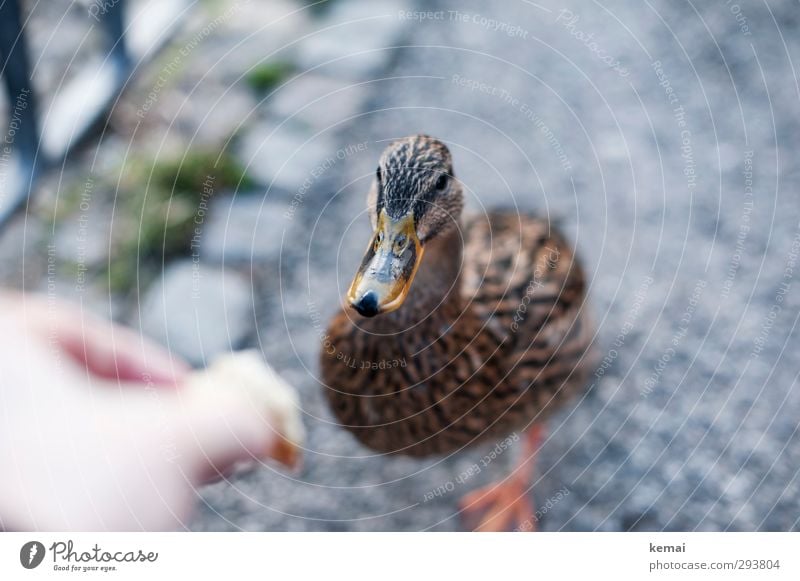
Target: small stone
[(317, 101), (285, 158), (198, 311), (244, 228), (355, 38), (83, 238), (214, 118)]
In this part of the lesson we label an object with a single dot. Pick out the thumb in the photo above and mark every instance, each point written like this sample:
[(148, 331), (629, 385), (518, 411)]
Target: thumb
[(106, 350), (239, 409)]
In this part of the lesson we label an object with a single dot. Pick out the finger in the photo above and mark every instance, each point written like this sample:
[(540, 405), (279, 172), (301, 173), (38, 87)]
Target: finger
[(242, 410), (104, 349)]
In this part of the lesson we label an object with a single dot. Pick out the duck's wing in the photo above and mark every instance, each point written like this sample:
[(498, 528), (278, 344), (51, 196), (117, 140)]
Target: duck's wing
[(527, 286)]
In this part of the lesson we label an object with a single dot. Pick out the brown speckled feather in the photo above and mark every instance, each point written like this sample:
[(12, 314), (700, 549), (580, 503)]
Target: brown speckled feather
[(502, 350)]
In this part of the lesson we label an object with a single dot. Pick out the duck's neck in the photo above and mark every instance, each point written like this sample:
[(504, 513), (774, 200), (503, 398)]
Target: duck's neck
[(436, 292)]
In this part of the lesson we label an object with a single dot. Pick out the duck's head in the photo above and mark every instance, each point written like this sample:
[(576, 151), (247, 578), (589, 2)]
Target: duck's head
[(414, 198)]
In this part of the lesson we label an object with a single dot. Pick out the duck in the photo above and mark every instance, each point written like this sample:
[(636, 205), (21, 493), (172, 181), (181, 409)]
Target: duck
[(457, 331)]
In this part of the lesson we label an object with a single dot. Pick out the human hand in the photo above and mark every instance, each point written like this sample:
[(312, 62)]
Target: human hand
[(102, 430)]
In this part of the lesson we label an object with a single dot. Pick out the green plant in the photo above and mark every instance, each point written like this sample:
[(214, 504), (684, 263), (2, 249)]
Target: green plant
[(157, 206), (265, 76)]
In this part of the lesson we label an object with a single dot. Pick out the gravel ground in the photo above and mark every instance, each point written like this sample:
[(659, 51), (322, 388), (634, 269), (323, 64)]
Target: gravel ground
[(659, 134)]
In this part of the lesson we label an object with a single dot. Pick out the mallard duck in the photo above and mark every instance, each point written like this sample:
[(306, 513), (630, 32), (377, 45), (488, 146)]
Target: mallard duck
[(455, 333)]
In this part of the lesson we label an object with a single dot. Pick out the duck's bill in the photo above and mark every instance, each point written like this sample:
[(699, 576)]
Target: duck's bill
[(388, 269)]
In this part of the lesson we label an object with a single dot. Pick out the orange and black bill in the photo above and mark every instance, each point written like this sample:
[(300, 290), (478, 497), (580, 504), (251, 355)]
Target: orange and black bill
[(387, 271)]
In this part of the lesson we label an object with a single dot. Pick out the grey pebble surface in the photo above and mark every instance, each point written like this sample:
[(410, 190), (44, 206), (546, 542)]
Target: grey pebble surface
[(689, 425), (660, 136)]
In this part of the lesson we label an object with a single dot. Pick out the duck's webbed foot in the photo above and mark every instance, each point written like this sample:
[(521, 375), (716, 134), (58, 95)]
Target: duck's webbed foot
[(505, 505)]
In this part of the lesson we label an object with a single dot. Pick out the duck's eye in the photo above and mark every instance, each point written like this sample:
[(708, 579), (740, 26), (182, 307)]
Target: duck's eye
[(378, 174), (400, 244), (442, 182), (378, 241)]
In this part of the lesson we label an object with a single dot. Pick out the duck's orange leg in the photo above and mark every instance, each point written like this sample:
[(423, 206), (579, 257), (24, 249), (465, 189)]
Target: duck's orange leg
[(506, 505)]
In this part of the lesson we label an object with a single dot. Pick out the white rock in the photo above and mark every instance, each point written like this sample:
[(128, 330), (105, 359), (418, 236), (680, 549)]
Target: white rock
[(83, 237), (198, 311), (357, 31), (213, 117), (244, 228), (285, 158), (318, 101)]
